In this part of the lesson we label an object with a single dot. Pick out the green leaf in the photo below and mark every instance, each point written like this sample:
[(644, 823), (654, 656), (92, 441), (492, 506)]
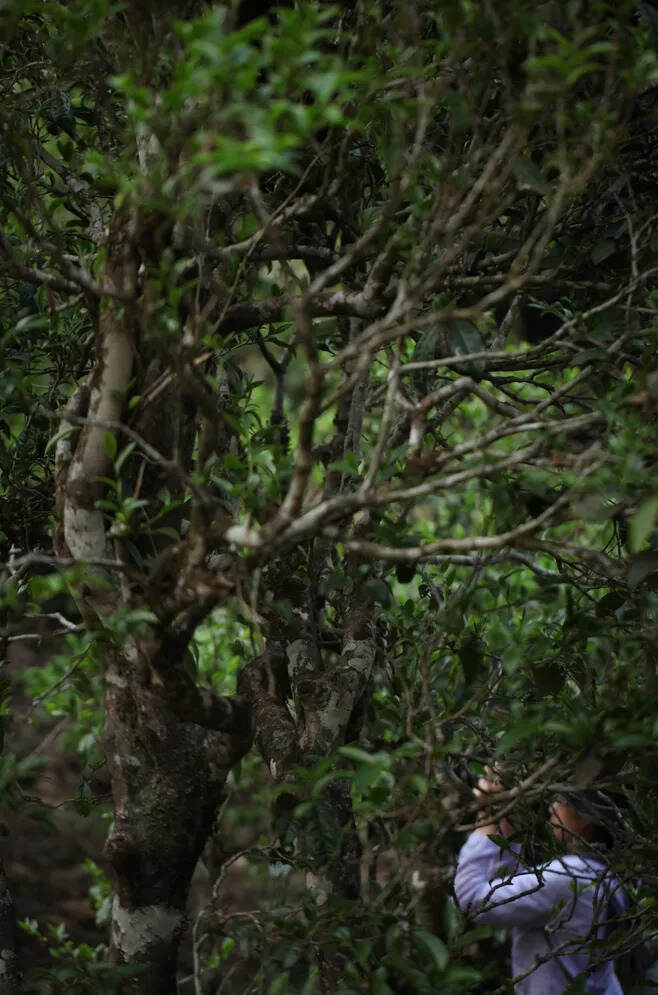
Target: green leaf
[(643, 566), (349, 464), (425, 348), (465, 338), (473, 936), (32, 322), (362, 950), (355, 753), (60, 435), (470, 657), (587, 356), (123, 456), (379, 985), (84, 801), (529, 175), (609, 603), (110, 445), (522, 730), (166, 530), (606, 247), (280, 984), (432, 945), (378, 591), (311, 983), (642, 524)]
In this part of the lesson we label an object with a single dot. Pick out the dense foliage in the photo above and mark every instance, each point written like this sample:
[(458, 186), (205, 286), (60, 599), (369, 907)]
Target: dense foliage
[(328, 460)]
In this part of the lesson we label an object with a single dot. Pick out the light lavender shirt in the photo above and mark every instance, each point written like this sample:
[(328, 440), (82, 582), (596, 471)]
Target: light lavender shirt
[(551, 908)]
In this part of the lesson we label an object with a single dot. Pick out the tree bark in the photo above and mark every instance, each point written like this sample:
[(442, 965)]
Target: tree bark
[(329, 706), (168, 779), (169, 744), (10, 976)]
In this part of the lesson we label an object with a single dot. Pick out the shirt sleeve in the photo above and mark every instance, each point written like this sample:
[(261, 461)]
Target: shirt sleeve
[(520, 897)]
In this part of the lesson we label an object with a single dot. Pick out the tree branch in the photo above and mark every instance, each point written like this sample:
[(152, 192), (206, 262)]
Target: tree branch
[(255, 314)]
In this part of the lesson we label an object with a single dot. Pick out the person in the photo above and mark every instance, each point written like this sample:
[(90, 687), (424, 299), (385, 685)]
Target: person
[(559, 914)]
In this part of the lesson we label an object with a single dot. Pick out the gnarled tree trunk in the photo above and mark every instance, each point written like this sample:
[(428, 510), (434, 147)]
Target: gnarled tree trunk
[(169, 744), (328, 699), (168, 777)]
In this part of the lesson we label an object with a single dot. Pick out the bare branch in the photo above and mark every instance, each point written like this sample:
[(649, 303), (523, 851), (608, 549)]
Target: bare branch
[(255, 314), (304, 450)]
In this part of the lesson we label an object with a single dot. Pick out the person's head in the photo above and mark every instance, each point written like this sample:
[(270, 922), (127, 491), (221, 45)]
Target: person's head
[(584, 818), (571, 828)]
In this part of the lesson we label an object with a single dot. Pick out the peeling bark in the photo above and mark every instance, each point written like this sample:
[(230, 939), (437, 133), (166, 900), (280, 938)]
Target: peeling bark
[(168, 780), (329, 704), (264, 682), (147, 938), (351, 687)]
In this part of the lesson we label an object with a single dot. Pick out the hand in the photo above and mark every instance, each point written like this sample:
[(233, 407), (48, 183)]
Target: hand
[(486, 787)]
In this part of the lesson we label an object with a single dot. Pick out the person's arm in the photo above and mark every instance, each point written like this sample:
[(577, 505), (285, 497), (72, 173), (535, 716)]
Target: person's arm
[(522, 899)]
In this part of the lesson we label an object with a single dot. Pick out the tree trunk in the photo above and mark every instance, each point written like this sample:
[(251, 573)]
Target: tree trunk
[(168, 777), (329, 711), (10, 978)]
